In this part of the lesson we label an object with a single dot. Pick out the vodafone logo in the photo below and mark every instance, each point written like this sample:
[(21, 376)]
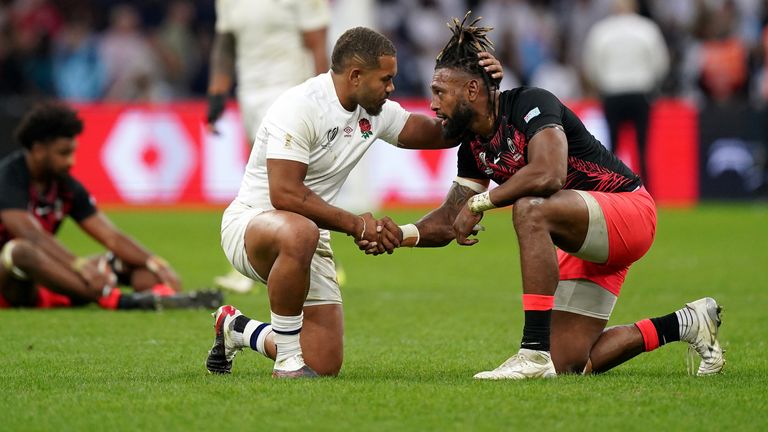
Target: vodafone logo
[(149, 156)]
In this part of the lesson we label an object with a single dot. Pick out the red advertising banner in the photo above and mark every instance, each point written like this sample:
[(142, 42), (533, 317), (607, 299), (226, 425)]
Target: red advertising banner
[(162, 154)]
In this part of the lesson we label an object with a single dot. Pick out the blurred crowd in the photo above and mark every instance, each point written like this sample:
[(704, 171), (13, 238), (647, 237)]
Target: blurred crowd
[(157, 50)]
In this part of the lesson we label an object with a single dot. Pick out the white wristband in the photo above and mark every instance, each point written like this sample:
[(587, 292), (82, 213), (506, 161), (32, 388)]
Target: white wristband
[(411, 235), (480, 203)]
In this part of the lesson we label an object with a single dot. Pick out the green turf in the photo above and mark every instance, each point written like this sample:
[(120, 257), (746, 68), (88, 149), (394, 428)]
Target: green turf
[(418, 325)]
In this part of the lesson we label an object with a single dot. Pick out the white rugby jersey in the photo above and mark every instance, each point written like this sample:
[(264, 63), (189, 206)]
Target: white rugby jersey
[(269, 46), (308, 124)]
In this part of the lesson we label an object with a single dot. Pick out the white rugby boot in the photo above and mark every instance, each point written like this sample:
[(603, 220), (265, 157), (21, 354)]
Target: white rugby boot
[(702, 336), (235, 282), (523, 365), (223, 351)]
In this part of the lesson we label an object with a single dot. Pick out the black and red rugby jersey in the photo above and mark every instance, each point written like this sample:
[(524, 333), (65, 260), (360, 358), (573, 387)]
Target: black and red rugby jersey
[(523, 111), (65, 196)]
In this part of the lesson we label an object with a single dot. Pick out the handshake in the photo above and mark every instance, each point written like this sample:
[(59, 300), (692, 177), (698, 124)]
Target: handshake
[(379, 236)]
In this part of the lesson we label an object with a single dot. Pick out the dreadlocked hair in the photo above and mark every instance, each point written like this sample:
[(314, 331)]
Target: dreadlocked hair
[(461, 52)]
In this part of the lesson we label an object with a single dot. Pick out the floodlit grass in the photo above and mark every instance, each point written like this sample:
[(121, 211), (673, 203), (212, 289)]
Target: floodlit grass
[(419, 324)]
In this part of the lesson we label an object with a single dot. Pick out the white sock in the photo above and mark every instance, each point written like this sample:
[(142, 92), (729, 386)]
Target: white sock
[(287, 329), (260, 330), (688, 324), (247, 332)]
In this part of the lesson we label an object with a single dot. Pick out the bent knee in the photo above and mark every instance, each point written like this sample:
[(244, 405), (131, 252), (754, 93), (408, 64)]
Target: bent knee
[(570, 366), (298, 229), (528, 211), (330, 370), (23, 254)]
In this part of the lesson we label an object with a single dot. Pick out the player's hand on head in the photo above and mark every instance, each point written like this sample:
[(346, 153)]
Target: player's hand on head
[(491, 65), (466, 224)]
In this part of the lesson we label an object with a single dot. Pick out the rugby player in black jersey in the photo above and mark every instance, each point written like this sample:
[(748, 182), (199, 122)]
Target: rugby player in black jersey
[(581, 218), (36, 195)]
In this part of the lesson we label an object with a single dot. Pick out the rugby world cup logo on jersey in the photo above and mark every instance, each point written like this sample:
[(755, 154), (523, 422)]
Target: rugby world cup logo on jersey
[(512, 149), (365, 128), (488, 170), (330, 135)]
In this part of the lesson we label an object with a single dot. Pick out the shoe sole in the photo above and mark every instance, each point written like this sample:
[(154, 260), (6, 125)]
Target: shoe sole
[(304, 372), (480, 376)]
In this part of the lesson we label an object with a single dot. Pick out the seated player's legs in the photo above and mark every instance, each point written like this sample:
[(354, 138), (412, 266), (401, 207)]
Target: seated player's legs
[(16, 289), (46, 271), (140, 279)]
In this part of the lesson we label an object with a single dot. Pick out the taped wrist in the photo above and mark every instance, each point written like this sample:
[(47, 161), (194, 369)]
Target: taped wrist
[(480, 203), (411, 235)]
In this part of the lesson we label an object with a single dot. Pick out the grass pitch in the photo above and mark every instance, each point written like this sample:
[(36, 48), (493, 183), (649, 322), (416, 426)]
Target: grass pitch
[(419, 324)]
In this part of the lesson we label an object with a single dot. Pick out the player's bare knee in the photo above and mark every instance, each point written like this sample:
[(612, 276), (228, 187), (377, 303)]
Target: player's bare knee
[(570, 366), (299, 238), (329, 367), (527, 213), (25, 256)]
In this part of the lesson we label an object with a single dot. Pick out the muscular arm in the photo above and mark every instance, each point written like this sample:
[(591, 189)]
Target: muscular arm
[(123, 246), (315, 42), (436, 228), (222, 64), (545, 173), (288, 192), (422, 132), (23, 225)]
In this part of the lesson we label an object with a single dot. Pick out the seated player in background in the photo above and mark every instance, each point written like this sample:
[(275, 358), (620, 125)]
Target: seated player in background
[(36, 194)]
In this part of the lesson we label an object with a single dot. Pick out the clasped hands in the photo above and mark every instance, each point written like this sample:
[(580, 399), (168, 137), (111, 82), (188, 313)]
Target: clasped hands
[(379, 236)]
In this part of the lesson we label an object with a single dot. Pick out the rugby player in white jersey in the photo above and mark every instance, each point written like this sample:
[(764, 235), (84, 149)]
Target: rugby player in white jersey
[(287, 46), (277, 230)]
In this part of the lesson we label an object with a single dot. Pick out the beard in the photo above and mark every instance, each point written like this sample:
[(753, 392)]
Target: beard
[(374, 108), (458, 123)]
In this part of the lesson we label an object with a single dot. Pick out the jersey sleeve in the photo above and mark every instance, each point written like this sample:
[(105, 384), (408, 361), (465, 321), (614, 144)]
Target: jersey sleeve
[(466, 163), (313, 14), (392, 121), (223, 21), (535, 108), (14, 193), (288, 130), (83, 204)]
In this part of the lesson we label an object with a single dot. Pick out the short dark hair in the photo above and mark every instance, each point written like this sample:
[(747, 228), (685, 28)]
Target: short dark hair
[(362, 45), (47, 122), (461, 50)]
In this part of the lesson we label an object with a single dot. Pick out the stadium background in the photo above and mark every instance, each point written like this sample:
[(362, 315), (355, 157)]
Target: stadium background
[(419, 323), (144, 142)]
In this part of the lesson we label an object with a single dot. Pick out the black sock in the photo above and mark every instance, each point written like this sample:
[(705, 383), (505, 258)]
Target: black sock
[(667, 328), (536, 330)]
